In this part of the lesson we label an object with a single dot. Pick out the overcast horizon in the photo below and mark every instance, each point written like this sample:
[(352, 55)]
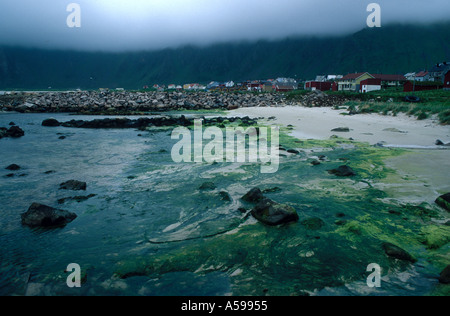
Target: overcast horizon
[(115, 26)]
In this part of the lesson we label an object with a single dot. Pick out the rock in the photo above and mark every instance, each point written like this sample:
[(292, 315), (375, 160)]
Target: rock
[(273, 213), (444, 278), (272, 190), (341, 130), (12, 124), (343, 171), (39, 215), (394, 130), (15, 132), (315, 162), (73, 185), (397, 253), (444, 201), (439, 143), (225, 196), (253, 196), (13, 167), (76, 198), (207, 186), (51, 123), (313, 223), (293, 151)]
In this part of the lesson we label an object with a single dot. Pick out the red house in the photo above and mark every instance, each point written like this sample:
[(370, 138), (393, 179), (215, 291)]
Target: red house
[(421, 86), (370, 85), (318, 85), (447, 81)]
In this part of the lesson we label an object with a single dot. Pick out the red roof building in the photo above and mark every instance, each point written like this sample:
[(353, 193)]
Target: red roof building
[(370, 85), (318, 85), (447, 81), (421, 86), (391, 80)]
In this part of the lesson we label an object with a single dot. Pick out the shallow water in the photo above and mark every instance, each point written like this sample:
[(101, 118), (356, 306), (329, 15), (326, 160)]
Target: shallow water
[(150, 230)]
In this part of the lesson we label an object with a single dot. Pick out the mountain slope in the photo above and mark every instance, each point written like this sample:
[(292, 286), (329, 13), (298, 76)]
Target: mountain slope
[(391, 49)]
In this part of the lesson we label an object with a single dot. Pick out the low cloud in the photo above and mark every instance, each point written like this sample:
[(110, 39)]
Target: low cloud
[(113, 25)]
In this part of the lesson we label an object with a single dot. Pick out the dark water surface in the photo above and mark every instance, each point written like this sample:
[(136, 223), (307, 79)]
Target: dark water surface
[(150, 230)]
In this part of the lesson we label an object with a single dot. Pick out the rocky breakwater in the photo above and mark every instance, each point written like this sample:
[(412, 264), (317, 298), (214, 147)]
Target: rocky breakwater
[(144, 122), (127, 102), (319, 99)]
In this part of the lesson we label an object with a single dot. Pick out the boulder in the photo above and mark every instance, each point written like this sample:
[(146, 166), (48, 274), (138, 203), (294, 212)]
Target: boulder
[(444, 278), (273, 213), (397, 253), (253, 196), (444, 201), (343, 171), (39, 215), (51, 123), (73, 185)]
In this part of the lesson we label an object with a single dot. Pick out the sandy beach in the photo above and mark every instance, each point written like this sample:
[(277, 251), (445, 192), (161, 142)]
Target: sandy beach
[(421, 173), (318, 123)]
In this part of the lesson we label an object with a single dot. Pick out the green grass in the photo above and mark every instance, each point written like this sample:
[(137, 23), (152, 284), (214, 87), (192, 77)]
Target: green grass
[(391, 102)]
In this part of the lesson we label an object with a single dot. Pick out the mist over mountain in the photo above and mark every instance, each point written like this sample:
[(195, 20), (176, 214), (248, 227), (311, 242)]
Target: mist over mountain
[(395, 49)]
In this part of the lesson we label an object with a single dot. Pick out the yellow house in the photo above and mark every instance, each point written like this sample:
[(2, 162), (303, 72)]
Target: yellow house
[(352, 82)]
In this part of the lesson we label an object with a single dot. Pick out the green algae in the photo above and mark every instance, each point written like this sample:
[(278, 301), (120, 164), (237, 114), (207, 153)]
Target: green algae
[(291, 259), (435, 236)]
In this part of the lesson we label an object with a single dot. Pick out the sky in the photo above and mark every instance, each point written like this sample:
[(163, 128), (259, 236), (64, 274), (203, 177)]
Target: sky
[(113, 25)]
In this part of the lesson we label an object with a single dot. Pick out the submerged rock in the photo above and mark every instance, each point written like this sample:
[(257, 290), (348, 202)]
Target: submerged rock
[(343, 171), (444, 201), (397, 253), (76, 198), (313, 223), (39, 215), (13, 167), (444, 278), (273, 213), (73, 185), (207, 186), (253, 196)]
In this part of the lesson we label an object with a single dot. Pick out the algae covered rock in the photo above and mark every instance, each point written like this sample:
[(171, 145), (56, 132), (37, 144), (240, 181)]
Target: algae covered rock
[(445, 276), (39, 215), (273, 213), (444, 201), (313, 223), (343, 171), (207, 186), (253, 196), (397, 253)]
